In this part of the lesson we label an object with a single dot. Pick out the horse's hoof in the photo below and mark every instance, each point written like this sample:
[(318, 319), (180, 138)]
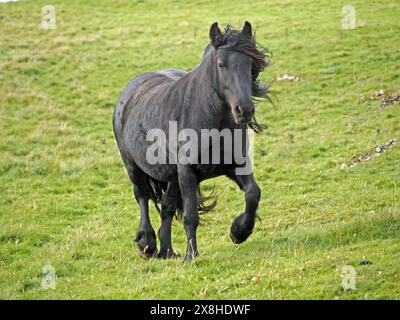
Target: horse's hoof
[(146, 255), (167, 254), (146, 241), (240, 230)]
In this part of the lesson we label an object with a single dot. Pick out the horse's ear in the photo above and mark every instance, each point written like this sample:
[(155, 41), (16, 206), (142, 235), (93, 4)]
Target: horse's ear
[(215, 32), (247, 29)]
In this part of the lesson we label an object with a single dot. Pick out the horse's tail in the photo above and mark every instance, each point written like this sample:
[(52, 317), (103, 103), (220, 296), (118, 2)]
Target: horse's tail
[(156, 189), (206, 203)]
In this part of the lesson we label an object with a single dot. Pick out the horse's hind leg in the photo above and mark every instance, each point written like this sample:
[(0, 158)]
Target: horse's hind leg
[(188, 186), (169, 204), (243, 225), (145, 237)]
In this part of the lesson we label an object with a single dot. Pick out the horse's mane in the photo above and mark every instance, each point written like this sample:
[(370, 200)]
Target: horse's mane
[(235, 40)]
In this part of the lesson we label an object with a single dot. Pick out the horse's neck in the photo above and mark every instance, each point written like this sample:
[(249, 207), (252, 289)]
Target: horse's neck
[(202, 86)]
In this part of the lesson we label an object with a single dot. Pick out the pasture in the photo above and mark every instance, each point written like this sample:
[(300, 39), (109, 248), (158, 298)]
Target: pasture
[(65, 198)]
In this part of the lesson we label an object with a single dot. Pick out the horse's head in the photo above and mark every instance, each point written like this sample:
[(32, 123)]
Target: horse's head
[(237, 63)]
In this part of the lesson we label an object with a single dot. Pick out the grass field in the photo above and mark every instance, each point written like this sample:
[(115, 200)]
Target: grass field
[(65, 199)]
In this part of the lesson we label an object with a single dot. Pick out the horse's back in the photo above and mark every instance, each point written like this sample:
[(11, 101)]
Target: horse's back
[(139, 88)]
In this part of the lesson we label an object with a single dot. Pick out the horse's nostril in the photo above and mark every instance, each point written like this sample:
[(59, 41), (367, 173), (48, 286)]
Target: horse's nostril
[(239, 110), (243, 115)]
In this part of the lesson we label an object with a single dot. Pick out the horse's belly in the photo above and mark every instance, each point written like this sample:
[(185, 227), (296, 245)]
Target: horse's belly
[(159, 171), (142, 154)]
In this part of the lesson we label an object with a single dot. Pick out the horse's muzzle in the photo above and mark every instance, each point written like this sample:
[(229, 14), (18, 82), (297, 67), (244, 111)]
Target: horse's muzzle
[(243, 115)]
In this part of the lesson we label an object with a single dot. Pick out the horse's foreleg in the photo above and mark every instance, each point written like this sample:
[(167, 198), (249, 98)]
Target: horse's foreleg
[(188, 185), (168, 209), (243, 225)]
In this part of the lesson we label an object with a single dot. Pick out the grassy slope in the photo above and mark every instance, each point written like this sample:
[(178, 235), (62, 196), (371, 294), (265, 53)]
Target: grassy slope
[(65, 198)]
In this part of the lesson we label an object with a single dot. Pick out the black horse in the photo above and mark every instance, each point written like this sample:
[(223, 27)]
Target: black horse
[(218, 94)]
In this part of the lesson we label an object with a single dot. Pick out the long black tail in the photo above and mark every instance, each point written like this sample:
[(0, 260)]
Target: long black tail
[(156, 189)]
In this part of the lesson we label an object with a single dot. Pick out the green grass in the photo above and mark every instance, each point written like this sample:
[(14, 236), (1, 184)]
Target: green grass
[(65, 196)]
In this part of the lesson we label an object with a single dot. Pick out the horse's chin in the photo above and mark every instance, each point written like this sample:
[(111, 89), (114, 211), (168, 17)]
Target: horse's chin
[(241, 121)]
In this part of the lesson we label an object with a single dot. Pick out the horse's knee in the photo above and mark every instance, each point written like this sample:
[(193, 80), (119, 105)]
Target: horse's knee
[(191, 220), (168, 207), (140, 193), (167, 212)]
